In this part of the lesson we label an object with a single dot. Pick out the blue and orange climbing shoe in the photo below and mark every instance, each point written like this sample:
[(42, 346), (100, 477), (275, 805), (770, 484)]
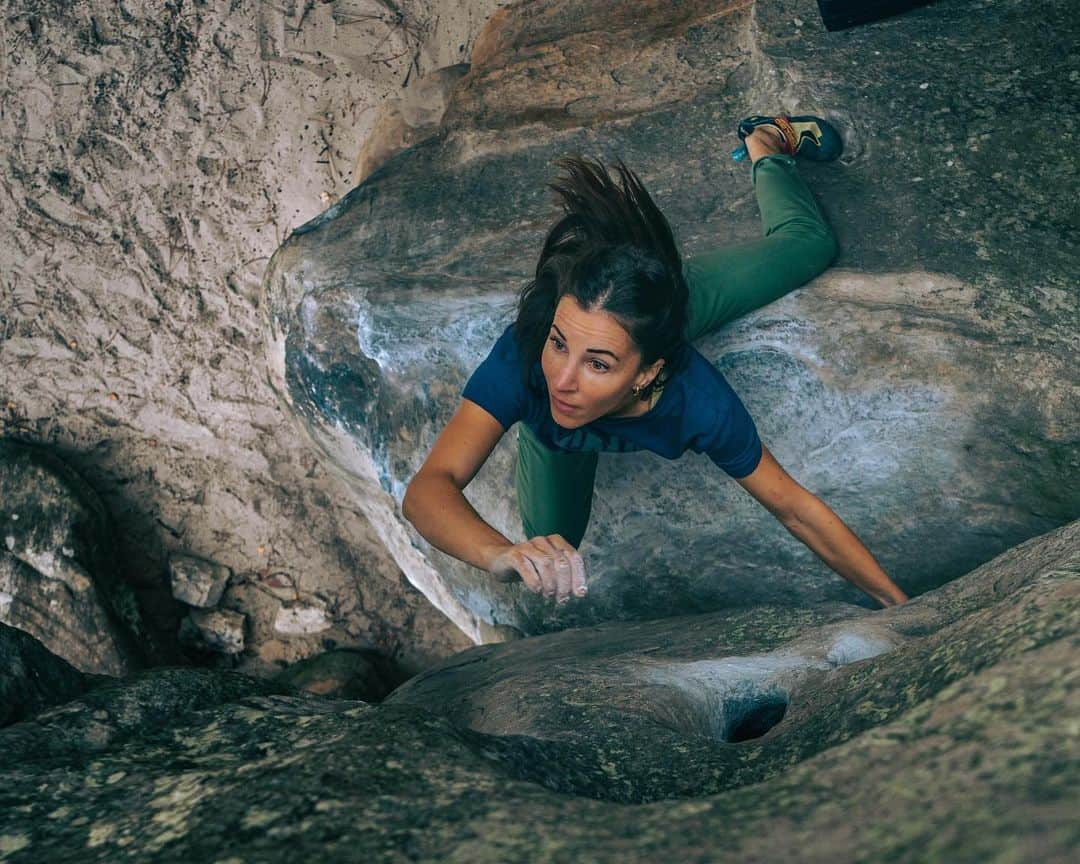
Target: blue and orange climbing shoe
[(806, 137)]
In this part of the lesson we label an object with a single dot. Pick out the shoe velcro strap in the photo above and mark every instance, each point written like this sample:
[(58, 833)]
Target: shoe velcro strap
[(791, 140)]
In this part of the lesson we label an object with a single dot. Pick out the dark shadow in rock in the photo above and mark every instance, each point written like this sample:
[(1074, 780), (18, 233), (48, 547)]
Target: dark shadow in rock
[(752, 718), (33, 679), (345, 673), (60, 579), (139, 554)]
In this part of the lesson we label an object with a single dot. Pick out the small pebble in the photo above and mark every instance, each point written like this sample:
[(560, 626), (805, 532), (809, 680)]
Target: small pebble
[(924, 85)]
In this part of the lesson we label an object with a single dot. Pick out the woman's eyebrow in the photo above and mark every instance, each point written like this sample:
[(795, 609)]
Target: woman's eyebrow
[(593, 350)]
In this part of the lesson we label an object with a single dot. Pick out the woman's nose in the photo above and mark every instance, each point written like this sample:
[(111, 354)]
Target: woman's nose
[(567, 378)]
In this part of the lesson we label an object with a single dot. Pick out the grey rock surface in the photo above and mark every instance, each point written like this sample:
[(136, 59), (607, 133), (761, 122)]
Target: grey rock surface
[(297, 620), (942, 731), (220, 630), (197, 581), (31, 678), (116, 710), (58, 576), (926, 388), (344, 674)]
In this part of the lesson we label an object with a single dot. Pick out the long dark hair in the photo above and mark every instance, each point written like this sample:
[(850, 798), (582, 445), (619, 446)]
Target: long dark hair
[(612, 251)]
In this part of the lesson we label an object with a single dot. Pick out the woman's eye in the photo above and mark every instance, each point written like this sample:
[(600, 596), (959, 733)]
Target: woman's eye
[(597, 365)]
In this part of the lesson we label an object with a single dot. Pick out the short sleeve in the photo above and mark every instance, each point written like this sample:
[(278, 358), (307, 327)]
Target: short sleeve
[(733, 445), (496, 384)]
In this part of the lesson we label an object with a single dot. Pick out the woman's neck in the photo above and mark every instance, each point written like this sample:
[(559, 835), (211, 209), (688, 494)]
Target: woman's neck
[(639, 406)]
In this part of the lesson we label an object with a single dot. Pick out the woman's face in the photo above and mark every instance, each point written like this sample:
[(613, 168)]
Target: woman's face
[(590, 364)]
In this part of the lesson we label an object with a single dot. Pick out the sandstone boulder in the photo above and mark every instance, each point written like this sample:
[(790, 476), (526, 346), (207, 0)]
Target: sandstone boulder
[(407, 120), (213, 630)]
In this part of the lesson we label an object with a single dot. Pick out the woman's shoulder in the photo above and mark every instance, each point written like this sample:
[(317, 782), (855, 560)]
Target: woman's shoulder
[(507, 337), (697, 371), (704, 387), (505, 350), (496, 384)]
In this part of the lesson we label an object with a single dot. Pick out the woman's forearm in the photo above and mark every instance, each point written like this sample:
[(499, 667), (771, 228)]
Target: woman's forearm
[(834, 543), (440, 512)]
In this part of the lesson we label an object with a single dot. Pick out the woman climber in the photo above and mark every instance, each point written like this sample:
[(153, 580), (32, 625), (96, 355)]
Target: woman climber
[(599, 358)]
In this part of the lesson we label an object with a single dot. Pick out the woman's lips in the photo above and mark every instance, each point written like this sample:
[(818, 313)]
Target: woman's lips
[(562, 406)]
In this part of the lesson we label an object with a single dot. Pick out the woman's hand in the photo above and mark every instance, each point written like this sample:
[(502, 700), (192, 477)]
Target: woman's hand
[(548, 565)]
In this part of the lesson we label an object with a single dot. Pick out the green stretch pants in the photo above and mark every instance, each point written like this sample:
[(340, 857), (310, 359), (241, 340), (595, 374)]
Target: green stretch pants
[(554, 487)]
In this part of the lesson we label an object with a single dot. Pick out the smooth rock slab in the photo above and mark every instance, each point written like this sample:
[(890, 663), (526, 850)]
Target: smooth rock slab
[(663, 702), (956, 744), (927, 388)]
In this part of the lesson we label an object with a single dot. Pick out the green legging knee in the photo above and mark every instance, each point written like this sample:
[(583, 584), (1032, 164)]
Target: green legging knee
[(554, 487)]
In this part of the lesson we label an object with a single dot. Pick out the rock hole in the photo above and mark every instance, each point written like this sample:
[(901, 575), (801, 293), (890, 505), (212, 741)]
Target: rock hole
[(752, 718)]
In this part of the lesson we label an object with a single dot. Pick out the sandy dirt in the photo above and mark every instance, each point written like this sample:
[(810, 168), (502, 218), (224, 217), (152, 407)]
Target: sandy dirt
[(156, 152)]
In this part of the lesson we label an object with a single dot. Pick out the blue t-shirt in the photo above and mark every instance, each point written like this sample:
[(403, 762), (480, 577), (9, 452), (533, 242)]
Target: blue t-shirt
[(697, 410)]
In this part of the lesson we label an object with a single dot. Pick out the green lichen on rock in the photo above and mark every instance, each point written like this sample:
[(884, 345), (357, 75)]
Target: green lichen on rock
[(954, 739)]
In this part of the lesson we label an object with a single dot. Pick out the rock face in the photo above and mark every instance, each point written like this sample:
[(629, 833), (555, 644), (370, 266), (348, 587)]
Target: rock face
[(197, 581), (154, 153), (216, 630), (344, 674), (942, 730), (926, 388), (405, 121), (58, 578), (31, 678)]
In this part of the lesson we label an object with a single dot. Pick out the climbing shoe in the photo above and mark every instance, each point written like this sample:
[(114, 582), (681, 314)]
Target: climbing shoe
[(805, 136)]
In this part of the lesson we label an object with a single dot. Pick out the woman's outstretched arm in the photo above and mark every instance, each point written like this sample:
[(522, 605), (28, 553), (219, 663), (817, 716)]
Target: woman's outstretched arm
[(808, 518), (436, 507), (434, 502)]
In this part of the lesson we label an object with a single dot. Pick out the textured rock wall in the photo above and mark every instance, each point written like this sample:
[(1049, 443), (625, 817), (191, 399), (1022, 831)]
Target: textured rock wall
[(155, 153)]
